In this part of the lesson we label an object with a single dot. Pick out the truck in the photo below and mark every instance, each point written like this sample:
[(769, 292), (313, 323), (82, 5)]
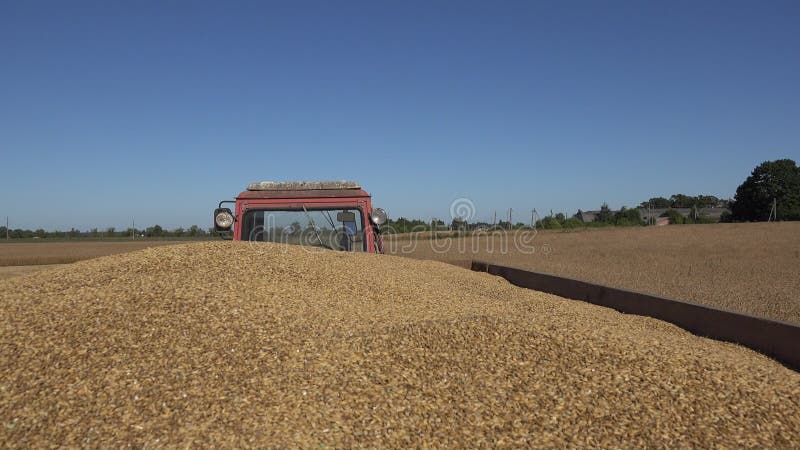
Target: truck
[(336, 215)]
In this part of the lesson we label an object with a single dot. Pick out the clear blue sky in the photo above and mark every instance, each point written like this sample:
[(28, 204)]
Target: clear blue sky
[(157, 110)]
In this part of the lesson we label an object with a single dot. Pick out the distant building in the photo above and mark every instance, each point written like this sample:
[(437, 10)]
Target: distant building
[(587, 216)]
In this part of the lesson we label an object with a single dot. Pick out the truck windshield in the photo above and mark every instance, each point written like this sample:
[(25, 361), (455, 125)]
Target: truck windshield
[(335, 228)]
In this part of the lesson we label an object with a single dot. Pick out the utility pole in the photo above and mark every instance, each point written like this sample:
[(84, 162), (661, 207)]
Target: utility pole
[(494, 220), (133, 229), (509, 219), (7, 228), (532, 213)]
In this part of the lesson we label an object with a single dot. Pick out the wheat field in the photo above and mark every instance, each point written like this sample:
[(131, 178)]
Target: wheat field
[(41, 252), (752, 268)]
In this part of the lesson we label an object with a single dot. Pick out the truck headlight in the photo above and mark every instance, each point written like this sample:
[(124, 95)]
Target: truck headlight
[(379, 216), (223, 219)]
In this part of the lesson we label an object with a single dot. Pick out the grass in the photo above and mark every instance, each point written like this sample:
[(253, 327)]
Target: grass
[(750, 268)]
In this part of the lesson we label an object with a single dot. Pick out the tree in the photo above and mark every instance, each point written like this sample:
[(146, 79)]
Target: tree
[(675, 217), (657, 202), (154, 231), (550, 223), (605, 215), (573, 222), (110, 231), (458, 224), (627, 217), (707, 201), (777, 181)]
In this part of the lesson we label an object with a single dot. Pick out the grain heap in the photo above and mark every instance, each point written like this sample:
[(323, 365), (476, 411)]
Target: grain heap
[(234, 344)]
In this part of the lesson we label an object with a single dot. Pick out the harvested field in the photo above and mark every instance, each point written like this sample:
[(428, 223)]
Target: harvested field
[(59, 252), (752, 268), (231, 344)]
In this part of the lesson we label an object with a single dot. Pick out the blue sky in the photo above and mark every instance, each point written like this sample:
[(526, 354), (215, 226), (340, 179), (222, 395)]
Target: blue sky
[(158, 110)]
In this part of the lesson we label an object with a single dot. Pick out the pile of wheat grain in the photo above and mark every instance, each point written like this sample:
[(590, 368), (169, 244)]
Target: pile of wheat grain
[(231, 344)]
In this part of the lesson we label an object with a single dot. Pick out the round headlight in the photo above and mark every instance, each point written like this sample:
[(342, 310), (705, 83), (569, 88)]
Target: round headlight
[(379, 216), (223, 220)]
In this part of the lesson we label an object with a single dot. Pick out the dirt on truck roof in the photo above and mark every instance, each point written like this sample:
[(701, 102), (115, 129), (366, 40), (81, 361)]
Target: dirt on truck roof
[(257, 344)]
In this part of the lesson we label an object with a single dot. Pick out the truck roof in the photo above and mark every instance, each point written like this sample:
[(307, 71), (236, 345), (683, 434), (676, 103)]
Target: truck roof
[(303, 189), (301, 185)]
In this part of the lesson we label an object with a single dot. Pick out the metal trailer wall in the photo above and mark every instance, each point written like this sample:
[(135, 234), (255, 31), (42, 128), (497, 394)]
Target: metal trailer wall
[(779, 340)]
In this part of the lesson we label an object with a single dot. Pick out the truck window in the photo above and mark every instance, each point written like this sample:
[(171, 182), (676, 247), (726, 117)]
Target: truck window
[(339, 229)]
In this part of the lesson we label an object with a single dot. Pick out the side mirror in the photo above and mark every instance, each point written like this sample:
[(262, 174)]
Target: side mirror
[(223, 219)]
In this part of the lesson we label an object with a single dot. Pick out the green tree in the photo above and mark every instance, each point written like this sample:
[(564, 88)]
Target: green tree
[(707, 201), (675, 217), (682, 201), (550, 223), (605, 215), (628, 217), (458, 224), (573, 222), (40, 233), (657, 202), (772, 180), (110, 231), (154, 231)]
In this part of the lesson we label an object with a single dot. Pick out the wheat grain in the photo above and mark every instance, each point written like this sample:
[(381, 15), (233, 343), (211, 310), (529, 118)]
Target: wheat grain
[(237, 345)]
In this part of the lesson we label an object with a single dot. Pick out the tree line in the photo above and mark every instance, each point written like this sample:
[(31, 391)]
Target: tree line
[(155, 231), (685, 201), (771, 192)]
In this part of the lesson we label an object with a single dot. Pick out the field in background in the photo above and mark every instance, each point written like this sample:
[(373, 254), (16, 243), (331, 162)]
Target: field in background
[(751, 268), (60, 252)]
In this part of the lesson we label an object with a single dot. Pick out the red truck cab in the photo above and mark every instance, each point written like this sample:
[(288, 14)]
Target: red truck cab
[(337, 215)]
